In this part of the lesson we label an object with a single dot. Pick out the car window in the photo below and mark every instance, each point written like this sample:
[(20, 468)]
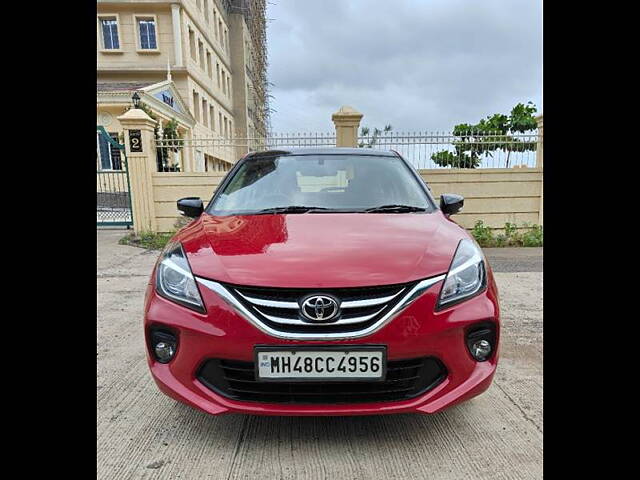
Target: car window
[(335, 182)]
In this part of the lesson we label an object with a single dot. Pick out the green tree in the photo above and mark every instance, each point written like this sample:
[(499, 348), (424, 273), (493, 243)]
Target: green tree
[(489, 135), (373, 139)]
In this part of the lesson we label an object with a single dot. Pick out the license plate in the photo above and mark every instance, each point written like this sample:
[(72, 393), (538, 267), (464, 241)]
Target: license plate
[(277, 364)]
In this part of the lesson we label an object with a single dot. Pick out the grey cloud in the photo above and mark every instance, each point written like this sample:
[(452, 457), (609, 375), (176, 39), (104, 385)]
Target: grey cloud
[(415, 64)]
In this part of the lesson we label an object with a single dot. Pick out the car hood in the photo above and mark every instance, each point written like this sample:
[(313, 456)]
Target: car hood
[(321, 250)]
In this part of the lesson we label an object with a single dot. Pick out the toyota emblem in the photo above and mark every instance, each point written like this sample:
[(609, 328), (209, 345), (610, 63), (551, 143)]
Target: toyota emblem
[(319, 308)]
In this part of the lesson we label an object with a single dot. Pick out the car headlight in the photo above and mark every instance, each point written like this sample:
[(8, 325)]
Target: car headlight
[(174, 279), (467, 275)]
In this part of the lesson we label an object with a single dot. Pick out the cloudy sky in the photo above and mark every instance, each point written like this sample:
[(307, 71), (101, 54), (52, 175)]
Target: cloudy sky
[(417, 64)]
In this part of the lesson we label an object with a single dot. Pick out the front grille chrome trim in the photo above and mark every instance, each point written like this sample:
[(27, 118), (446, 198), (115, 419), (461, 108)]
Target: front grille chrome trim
[(416, 291), (295, 321), (370, 302), (269, 303)]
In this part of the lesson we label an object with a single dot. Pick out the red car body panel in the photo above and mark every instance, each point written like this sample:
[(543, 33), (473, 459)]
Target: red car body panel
[(322, 251)]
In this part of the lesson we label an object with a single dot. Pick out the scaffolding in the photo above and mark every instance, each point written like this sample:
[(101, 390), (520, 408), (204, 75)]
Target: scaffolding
[(254, 12)]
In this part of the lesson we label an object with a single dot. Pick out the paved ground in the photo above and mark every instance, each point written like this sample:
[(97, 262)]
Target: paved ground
[(514, 259), (144, 434)]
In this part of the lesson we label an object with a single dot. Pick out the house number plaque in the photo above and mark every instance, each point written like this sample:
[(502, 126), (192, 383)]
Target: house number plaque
[(135, 141)]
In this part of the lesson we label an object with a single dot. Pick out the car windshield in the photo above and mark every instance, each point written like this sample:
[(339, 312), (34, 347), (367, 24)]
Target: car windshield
[(321, 183)]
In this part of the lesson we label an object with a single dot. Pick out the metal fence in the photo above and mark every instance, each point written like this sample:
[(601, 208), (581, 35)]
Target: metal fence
[(174, 155), (113, 199), (470, 150), (422, 149)]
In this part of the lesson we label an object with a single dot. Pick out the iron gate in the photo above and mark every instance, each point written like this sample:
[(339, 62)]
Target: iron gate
[(114, 194)]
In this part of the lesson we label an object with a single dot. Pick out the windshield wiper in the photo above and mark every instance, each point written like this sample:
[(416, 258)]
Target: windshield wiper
[(290, 209), (395, 209)]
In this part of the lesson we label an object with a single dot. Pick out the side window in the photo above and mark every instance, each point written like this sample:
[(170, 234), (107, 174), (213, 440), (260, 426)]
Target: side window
[(201, 55), (196, 106), (205, 117), (110, 39), (424, 182), (147, 33), (192, 44)]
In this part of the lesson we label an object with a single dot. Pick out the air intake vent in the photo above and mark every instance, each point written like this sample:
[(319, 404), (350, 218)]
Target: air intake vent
[(405, 379)]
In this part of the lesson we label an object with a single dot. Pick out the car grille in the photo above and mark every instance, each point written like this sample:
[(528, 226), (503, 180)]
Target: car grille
[(405, 379), (279, 308)]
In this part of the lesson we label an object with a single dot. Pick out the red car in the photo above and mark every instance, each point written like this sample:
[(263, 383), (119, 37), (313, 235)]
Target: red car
[(322, 282)]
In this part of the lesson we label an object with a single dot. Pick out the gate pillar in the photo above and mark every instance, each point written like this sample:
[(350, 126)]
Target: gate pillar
[(141, 164), (347, 122)]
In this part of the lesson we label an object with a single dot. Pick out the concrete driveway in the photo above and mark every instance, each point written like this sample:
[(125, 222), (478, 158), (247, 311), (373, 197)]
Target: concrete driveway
[(144, 434)]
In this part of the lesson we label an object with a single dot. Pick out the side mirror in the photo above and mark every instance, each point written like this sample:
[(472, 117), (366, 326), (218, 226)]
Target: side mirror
[(451, 203), (191, 206)]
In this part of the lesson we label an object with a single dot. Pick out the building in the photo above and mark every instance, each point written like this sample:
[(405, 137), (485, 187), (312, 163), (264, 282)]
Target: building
[(199, 67)]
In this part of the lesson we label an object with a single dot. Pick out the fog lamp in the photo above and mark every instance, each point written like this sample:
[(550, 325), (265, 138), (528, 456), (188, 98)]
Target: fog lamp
[(164, 351), (481, 341), (481, 350), (164, 345)]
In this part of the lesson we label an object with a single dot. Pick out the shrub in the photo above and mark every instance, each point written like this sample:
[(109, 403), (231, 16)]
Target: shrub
[(513, 236), (154, 241), (501, 241), (527, 236), (148, 240), (483, 234), (533, 237)]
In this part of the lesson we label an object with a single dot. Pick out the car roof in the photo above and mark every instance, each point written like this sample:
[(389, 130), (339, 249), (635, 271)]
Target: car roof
[(323, 151)]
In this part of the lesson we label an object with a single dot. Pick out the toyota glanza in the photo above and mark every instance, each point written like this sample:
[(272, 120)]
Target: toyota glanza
[(322, 282)]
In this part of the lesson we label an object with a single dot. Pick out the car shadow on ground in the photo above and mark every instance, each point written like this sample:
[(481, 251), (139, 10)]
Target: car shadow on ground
[(326, 431)]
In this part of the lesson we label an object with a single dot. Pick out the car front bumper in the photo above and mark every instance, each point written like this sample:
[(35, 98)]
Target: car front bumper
[(418, 331)]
